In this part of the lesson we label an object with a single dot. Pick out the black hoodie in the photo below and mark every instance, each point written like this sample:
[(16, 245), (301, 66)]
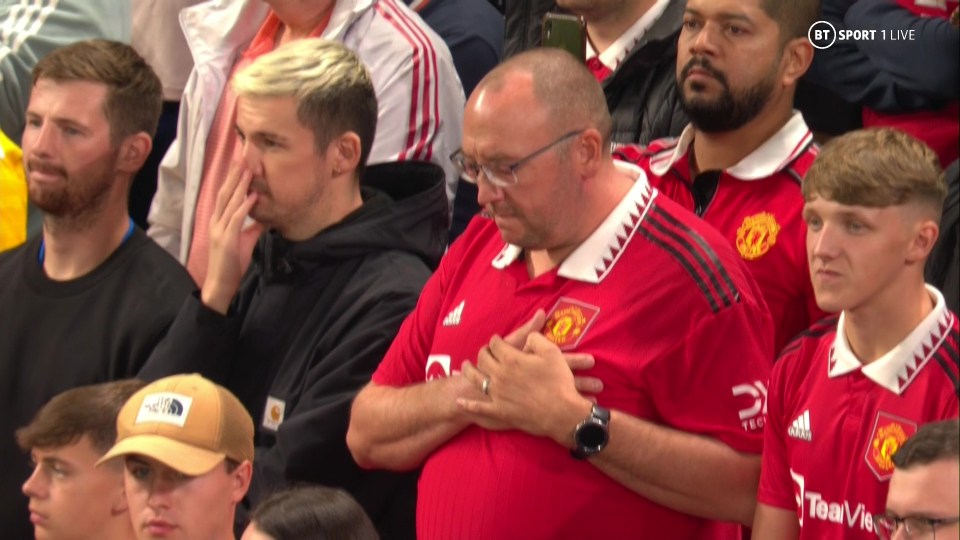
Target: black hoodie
[(308, 327)]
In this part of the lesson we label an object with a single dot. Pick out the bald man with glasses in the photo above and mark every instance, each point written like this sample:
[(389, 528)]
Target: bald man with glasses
[(621, 305), (501, 176)]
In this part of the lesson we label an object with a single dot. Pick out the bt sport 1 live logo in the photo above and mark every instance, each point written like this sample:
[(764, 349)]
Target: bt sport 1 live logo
[(823, 35)]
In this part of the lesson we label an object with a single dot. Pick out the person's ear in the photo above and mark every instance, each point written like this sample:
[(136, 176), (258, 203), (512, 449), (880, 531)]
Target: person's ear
[(240, 481), (133, 152), (344, 153), (588, 152), (796, 60), (924, 239), (118, 503)]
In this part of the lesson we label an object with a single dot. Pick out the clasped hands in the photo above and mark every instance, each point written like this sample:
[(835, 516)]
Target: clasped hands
[(525, 382)]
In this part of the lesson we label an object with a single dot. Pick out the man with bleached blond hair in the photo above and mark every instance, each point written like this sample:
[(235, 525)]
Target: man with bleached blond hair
[(419, 98), (345, 252)]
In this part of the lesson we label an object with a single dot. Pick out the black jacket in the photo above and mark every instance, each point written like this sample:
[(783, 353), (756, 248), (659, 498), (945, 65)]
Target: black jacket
[(58, 335), (308, 327), (642, 92)]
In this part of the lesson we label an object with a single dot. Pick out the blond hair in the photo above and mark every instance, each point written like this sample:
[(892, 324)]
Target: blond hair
[(877, 167), (332, 87)]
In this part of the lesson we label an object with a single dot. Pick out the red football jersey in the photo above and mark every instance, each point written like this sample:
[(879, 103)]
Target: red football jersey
[(680, 336), (756, 205), (833, 424)]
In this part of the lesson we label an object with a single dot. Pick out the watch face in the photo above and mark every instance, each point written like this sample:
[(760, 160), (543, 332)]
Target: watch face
[(591, 435)]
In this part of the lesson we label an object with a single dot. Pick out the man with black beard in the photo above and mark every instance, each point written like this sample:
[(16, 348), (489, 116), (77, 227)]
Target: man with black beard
[(739, 163), (86, 300)]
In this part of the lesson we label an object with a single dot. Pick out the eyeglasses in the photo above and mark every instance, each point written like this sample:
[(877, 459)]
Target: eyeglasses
[(499, 175), (914, 527)]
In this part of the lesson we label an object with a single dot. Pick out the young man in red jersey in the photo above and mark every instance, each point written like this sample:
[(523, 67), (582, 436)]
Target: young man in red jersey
[(655, 295), (849, 392), (739, 163)]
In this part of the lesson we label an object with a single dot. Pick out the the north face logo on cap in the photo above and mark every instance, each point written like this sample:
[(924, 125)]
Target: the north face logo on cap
[(165, 408)]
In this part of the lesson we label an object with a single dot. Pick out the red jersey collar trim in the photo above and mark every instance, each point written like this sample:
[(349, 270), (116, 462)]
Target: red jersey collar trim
[(593, 260), (771, 157), (624, 45), (900, 366)]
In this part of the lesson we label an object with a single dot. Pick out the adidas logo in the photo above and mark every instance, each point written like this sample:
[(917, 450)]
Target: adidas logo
[(800, 428), (453, 318)]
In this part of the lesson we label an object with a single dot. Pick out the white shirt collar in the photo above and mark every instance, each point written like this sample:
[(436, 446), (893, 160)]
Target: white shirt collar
[(593, 259), (619, 49), (770, 157), (896, 369)]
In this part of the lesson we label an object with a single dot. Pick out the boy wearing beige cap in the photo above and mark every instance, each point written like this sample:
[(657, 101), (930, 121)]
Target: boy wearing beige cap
[(187, 445)]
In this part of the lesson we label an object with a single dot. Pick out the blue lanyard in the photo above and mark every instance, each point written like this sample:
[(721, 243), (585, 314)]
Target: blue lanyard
[(125, 238)]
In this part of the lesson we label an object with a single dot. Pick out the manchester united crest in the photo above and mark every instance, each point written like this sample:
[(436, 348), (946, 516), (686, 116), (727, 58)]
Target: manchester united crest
[(756, 235), (888, 435), (568, 322)]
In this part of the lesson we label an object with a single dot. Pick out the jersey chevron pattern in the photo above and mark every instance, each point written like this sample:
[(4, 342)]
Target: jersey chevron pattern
[(833, 424), (653, 293)]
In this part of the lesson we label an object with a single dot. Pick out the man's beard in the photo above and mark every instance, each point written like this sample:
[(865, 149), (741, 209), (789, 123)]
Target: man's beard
[(728, 112), (75, 199)]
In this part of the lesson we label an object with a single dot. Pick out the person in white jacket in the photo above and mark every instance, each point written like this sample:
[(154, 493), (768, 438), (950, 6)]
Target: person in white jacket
[(419, 94)]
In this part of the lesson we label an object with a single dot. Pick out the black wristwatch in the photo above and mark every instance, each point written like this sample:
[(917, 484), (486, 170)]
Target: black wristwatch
[(592, 434)]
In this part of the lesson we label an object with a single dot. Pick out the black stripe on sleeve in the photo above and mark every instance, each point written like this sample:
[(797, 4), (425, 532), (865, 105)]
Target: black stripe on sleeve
[(944, 363), (731, 294), (697, 278), (818, 329)]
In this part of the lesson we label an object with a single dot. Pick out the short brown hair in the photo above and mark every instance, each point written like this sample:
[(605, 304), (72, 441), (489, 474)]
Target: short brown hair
[(877, 167), (793, 17), (134, 93), (562, 84), (932, 442), (88, 410)]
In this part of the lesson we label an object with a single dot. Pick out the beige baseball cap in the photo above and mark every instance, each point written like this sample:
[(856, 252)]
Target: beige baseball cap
[(186, 422)]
